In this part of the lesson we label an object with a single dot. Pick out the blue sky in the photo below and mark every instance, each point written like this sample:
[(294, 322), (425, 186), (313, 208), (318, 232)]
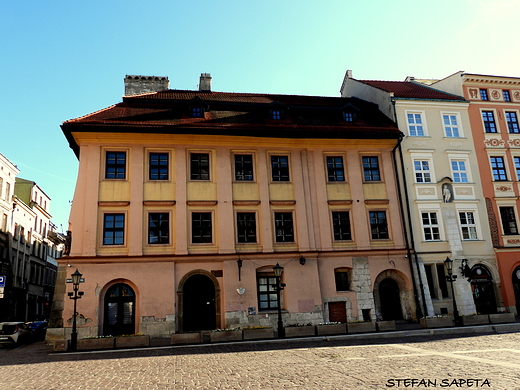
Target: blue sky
[(64, 59)]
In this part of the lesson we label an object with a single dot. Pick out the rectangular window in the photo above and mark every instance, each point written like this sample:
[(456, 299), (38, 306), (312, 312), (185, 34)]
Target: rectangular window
[(158, 228), (517, 167), (199, 166), (113, 229), (512, 122), (489, 121), (430, 226), (341, 225), (342, 278), (458, 169), (267, 296), (422, 171), (483, 94), (197, 112), (371, 168), (348, 116), (284, 227), (243, 167), (498, 168), (246, 227), (280, 168), (378, 225), (415, 125), (507, 214), (115, 165), (201, 231), (507, 96), (335, 170), (451, 128), (468, 225), (7, 191), (158, 166), (276, 114)]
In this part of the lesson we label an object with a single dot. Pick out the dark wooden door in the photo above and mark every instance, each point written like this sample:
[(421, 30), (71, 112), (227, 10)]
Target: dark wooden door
[(199, 304), (337, 312)]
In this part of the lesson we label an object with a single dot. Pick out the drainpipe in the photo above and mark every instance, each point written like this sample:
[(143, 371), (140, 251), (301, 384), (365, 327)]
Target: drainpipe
[(410, 243)]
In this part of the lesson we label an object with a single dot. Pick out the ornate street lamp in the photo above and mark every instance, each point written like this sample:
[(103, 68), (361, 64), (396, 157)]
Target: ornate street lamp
[(76, 280), (448, 263), (277, 269)]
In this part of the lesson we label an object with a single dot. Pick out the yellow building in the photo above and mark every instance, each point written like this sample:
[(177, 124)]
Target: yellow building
[(186, 200)]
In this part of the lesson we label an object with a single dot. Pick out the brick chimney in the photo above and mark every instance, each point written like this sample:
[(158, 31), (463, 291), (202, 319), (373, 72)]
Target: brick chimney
[(205, 82), (135, 85)]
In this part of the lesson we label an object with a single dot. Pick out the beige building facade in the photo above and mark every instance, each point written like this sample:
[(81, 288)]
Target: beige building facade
[(445, 204)]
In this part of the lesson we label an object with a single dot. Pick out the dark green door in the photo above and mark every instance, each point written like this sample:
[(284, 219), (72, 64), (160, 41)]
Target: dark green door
[(119, 310)]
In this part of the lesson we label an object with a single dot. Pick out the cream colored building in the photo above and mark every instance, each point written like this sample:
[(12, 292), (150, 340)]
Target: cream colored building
[(443, 194), (186, 200)]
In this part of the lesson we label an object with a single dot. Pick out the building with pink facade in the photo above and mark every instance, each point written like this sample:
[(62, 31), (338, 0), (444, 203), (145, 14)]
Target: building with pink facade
[(186, 200)]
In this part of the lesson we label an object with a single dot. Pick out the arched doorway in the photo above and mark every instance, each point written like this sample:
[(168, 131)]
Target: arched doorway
[(483, 290), (516, 287), (198, 303), (119, 310), (390, 301)]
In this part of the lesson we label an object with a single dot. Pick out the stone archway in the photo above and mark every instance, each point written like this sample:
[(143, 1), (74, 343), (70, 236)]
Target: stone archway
[(391, 298), (482, 288), (198, 301)]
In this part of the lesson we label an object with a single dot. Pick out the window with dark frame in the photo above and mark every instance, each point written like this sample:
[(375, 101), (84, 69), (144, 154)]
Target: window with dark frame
[(280, 168), (158, 228), (246, 228), (378, 225), (199, 166), (341, 226), (113, 229), (115, 166), (507, 95), (267, 297), (284, 227), (159, 166), (348, 116), (371, 168), (498, 168), (243, 167), (517, 167), (483, 94), (512, 122), (276, 114), (197, 112), (201, 230), (488, 117), (335, 169), (342, 279), (509, 227)]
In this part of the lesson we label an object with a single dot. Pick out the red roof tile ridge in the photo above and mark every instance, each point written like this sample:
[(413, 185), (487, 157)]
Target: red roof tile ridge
[(92, 113)]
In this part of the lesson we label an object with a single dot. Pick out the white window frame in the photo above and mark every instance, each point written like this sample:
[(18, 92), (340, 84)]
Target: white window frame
[(462, 157), (470, 226), (425, 174), (495, 119), (430, 227), (458, 124), (422, 116)]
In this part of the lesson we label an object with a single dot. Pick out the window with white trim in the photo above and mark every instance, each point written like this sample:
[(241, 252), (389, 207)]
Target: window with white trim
[(517, 167), (451, 126), (468, 225), (512, 122), (458, 170), (422, 171), (430, 225), (415, 124), (498, 168), (488, 118)]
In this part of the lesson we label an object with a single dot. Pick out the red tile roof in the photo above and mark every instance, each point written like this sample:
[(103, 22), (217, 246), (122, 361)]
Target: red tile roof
[(411, 90), (244, 114)]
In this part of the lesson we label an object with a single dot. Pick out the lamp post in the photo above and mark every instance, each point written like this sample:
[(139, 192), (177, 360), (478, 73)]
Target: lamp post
[(76, 280), (448, 263), (277, 269)]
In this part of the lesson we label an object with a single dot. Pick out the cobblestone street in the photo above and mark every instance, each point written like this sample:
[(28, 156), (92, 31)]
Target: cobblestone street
[(484, 361)]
